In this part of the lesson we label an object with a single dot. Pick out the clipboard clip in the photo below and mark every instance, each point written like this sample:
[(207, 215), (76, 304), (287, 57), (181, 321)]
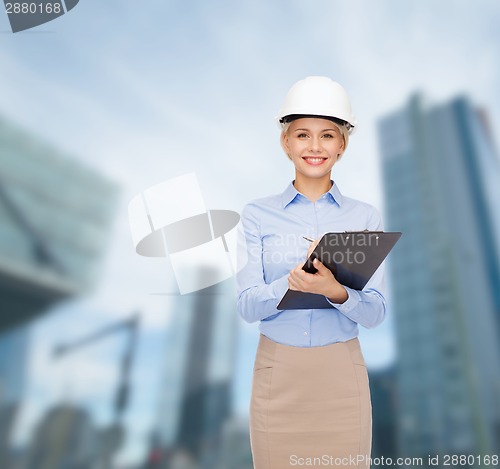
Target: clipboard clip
[(362, 231)]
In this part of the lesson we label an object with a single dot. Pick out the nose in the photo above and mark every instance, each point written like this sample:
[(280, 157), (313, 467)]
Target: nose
[(316, 144)]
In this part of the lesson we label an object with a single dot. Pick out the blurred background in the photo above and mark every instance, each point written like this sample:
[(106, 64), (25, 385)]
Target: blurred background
[(103, 364)]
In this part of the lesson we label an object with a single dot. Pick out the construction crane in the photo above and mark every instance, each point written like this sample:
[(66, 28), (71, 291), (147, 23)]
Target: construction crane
[(113, 437)]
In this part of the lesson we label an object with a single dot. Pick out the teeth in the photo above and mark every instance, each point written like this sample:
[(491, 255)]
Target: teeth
[(314, 160)]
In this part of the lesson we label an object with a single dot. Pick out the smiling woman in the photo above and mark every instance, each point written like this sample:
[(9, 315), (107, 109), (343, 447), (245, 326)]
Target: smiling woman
[(310, 394), (314, 146), (339, 129)]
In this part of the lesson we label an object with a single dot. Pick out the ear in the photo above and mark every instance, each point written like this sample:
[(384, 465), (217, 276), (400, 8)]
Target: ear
[(284, 142), (342, 148)]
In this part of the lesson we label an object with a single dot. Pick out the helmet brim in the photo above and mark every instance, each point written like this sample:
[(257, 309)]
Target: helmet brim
[(292, 117)]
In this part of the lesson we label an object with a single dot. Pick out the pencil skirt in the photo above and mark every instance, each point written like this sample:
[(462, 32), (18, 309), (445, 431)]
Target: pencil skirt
[(310, 406)]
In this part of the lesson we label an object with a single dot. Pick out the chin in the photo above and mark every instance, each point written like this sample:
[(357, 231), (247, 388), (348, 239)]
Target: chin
[(315, 174)]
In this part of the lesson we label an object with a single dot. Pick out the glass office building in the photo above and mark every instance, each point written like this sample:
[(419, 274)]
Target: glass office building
[(384, 405), (14, 347), (55, 215), (442, 182)]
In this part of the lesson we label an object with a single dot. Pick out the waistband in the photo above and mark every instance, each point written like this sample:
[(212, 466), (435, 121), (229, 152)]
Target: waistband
[(269, 344)]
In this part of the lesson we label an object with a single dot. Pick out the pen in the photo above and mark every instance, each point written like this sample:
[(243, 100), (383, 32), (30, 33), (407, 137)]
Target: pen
[(309, 239)]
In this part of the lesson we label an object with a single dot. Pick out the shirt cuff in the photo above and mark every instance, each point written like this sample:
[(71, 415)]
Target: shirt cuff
[(280, 287), (348, 305)]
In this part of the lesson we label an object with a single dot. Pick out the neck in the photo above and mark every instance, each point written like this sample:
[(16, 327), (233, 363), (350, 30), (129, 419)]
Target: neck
[(312, 188)]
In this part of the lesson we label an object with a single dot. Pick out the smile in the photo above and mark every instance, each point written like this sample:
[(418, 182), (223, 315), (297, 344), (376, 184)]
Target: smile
[(314, 160)]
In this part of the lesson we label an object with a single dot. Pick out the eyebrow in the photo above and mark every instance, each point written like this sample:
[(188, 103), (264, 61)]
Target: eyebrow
[(324, 130)]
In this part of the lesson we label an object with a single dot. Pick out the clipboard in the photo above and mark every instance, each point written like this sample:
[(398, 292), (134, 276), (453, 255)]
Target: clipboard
[(352, 256)]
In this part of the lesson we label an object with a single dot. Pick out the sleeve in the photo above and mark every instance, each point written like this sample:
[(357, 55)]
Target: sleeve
[(368, 306), (257, 300)]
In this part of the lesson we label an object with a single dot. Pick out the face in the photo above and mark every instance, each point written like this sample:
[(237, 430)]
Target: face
[(313, 145)]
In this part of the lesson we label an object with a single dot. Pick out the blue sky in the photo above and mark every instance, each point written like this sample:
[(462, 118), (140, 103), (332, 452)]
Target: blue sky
[(146, 91)]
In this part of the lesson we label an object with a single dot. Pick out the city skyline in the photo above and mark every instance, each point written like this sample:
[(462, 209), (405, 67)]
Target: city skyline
[(436, 160), (157, 92)]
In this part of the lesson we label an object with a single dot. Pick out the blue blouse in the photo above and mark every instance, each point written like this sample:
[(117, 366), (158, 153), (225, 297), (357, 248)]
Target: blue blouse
[(271, 243)]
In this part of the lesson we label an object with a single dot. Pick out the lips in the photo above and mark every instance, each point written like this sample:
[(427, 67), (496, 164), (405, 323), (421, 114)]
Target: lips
[(314, 160)]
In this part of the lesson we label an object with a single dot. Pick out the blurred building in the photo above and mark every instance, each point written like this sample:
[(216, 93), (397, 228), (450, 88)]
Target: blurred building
[(13, 357), (236, 451), (441, 175), (196, 395), (383, 395), (55, 216), (64, 438)]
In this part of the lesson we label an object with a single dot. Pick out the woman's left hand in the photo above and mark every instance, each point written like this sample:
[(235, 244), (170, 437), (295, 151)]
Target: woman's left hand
[(323, 282)]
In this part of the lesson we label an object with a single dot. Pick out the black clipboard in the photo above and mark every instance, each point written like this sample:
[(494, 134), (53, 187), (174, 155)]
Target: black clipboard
[(352, 256)]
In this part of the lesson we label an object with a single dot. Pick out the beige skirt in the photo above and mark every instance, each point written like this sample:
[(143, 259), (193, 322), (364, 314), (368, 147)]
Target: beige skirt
[(310, 406)]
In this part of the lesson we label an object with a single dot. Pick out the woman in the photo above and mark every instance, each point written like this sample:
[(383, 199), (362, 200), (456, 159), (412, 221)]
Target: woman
[(310, 402)]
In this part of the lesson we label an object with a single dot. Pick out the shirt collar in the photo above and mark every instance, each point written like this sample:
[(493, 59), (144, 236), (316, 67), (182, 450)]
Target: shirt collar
[(290, 193)]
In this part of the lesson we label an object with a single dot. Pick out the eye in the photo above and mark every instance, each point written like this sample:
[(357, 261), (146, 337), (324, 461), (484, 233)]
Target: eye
[(328, 136), (302, 135)]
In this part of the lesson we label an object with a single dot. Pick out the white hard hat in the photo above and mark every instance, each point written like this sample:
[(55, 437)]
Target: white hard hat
[(318, 97)]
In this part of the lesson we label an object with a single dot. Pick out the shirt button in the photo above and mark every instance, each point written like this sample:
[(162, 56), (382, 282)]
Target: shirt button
[(305, 332)]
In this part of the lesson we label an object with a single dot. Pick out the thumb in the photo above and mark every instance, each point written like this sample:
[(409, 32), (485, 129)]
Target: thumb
[(319, 265)]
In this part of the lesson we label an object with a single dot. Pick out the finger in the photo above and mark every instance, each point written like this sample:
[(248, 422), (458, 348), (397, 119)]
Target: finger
[(295, 278), (295, 272), (300, 275), (320, 267), (312, 247), (292, 284), (323, 270), (299, 271)]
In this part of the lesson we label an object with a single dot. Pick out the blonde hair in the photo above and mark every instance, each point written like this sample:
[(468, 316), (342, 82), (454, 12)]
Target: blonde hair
[(342, 129)]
